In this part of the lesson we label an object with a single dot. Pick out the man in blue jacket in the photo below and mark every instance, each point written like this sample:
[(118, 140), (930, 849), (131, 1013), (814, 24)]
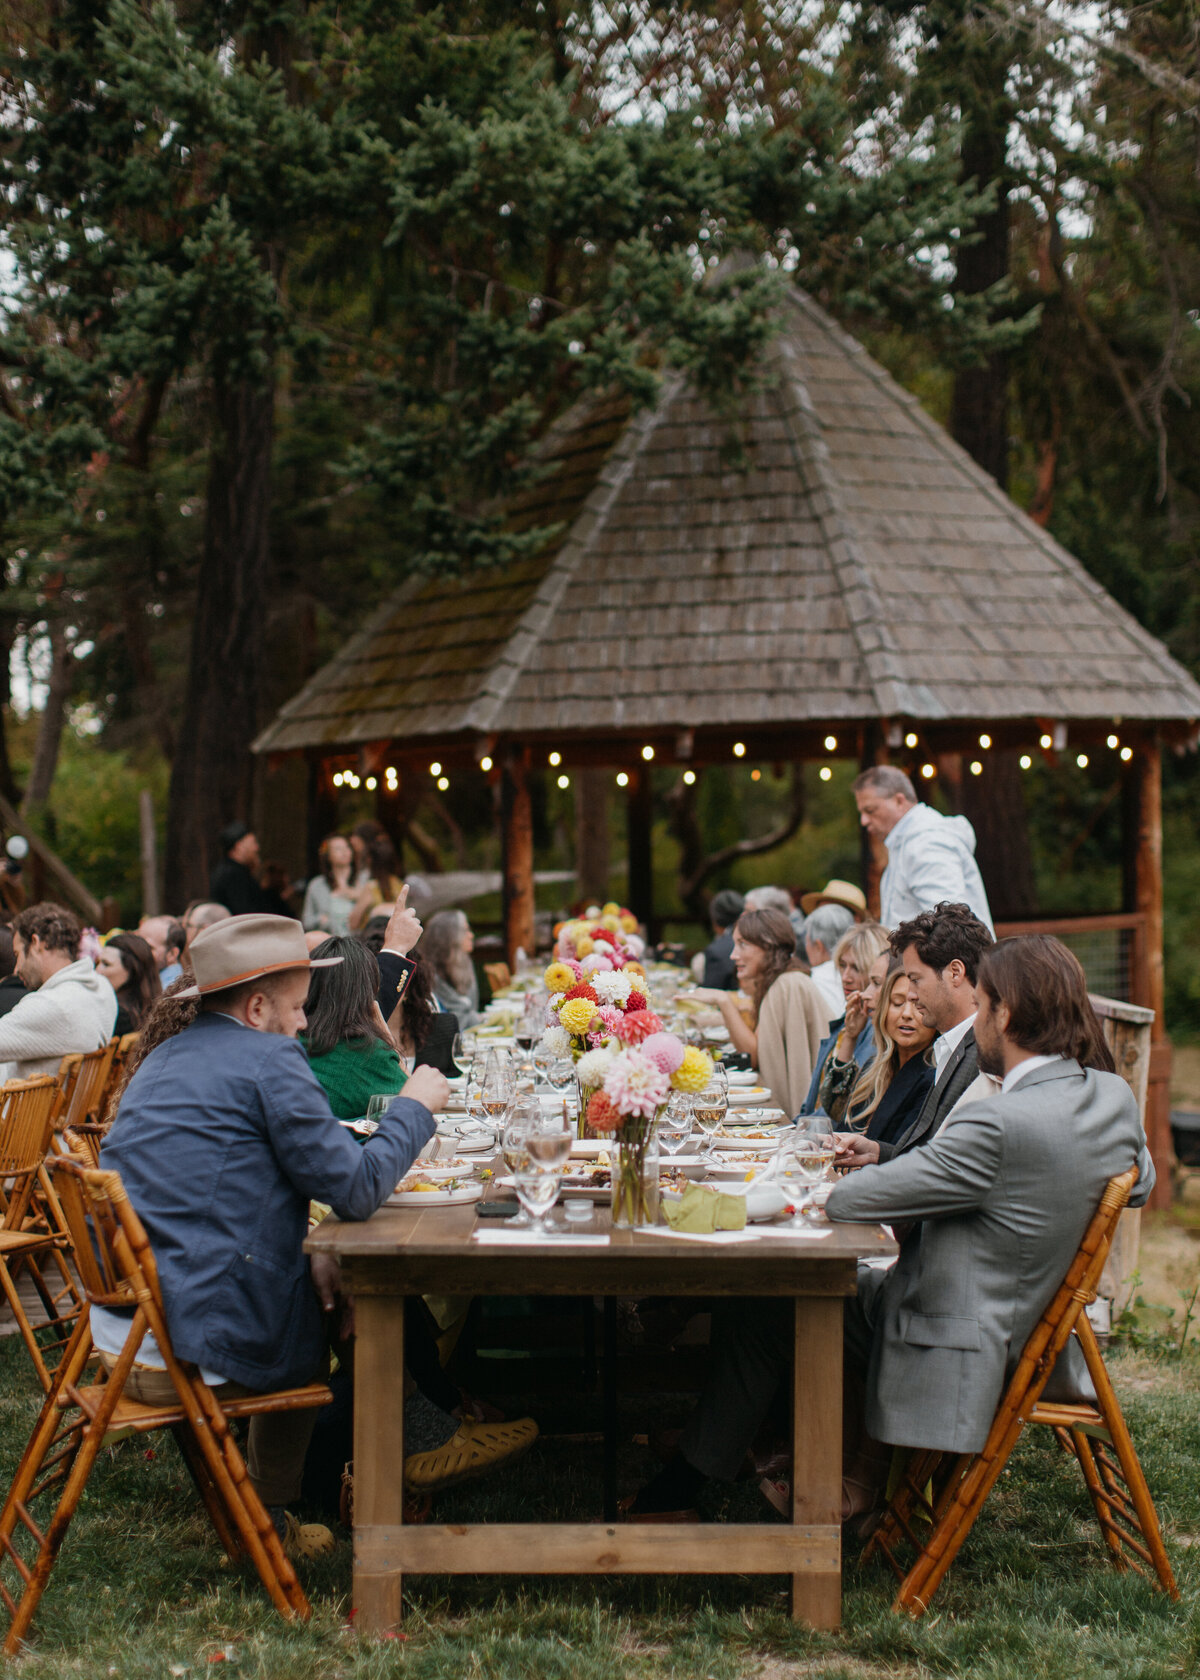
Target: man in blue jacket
[(222, 1139)]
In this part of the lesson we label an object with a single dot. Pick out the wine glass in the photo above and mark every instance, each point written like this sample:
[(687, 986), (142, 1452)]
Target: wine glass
[(543, 1061), (377, 1107), (517, 1126), (498, 1085), (709, 1108), (457, 1053), (805, 1159)]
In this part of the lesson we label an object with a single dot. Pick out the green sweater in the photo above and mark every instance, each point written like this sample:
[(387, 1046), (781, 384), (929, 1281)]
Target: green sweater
[(355, 1070)]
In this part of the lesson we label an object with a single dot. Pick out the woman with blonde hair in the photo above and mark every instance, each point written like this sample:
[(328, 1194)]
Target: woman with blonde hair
[(891, 1091), (861, 957)]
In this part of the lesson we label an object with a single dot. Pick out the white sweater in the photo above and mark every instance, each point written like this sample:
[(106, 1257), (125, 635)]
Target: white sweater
[(75, 1009)]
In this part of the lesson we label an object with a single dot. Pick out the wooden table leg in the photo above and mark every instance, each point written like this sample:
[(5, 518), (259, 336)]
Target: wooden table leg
[(378, 1452), (817, 1447), (609, 1408)]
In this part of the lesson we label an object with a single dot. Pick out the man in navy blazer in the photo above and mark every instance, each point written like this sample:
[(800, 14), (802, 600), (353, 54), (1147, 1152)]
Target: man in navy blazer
[(222, 1139)]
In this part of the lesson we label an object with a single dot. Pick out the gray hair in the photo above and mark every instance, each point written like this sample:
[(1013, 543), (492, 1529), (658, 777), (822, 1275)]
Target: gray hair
[(887, 780), (769, 898), (827, 923), (440, 946)]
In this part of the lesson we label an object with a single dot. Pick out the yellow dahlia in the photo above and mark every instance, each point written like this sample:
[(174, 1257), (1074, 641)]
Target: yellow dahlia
[(559, 978), (612, 908), (577, 1015), (629, 921), (694, 1071), (584, 946)]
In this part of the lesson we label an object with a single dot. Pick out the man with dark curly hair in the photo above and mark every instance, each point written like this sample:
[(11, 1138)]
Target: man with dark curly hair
[(67, 1007)]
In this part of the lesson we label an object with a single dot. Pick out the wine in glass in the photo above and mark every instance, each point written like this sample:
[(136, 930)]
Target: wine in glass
[(805, 1159), (457, 1055), (498, 1086), (675, 1122), (709, 1108)]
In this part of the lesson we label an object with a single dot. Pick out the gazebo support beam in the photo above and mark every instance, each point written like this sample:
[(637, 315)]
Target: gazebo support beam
[(518, 858), (639, 815), (1144, 887)]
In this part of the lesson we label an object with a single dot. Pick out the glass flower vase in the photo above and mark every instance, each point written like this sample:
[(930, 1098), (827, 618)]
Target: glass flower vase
[(635, 1175), (586, 1093)]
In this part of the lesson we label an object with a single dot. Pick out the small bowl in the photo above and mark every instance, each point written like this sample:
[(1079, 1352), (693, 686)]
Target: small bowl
[(577, 1211)]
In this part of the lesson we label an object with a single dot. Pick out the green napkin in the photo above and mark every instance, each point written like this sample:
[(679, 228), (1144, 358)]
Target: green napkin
[(703, 1208)]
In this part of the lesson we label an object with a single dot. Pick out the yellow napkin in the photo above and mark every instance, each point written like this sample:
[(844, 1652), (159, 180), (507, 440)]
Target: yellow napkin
[(703, 1208)]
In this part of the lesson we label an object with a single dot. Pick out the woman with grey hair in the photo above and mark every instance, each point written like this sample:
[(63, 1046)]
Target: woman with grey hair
[(445, 948)]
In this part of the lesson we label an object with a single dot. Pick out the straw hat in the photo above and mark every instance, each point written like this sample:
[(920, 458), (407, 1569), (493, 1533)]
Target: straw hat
[(245, 948), (844, 893)]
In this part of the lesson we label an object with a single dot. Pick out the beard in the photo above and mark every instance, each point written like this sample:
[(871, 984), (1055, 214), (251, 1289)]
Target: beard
[(990, 1059)]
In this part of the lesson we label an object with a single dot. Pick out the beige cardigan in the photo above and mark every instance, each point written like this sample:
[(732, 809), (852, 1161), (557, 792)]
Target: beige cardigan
[(793, 1020)]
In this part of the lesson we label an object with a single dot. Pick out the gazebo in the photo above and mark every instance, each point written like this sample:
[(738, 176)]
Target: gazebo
[(822, 574)]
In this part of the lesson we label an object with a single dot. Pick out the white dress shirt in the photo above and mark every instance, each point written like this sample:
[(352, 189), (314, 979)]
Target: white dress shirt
[(1015, 1075), (948, 1042)]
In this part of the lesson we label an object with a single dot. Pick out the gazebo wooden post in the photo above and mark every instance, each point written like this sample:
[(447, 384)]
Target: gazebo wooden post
[(591, 832), (322, 807), (517, 816), (1144, 885), (872, 854), (639, 814)]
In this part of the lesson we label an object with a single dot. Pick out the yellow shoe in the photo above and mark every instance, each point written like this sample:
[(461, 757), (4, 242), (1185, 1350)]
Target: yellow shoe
[(473, 1450), (305, 1540)]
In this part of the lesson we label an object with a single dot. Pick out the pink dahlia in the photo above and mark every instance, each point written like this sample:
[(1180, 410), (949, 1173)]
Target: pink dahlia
[(664, 1050), (635, 1085), (637, 1025), (612, 1018), (602, 1113)]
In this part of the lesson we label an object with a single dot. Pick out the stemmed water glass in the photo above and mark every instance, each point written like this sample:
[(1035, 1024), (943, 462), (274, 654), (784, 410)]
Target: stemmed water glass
[(517, 1124), (498, 1085), (543, 1060), (544, 1151), (675, 1122)]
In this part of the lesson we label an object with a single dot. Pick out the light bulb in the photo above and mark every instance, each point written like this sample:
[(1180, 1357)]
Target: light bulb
[(337, 778), (831, 743), (1113, 742), (485, 764), (1026, 761), (985, 742), (976, 767), (826, 773), (435, 769), (1126, 753), (647, 753), (443, 783), (928, 771), (622, 779), (372, 784), (555, 759), (910, 740), (564, 781), (689, 777), (756, 775), (1082, 761), (739, 749)]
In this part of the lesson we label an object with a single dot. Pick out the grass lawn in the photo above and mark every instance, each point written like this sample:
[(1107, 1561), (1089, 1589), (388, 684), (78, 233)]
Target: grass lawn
[(140, 1589)]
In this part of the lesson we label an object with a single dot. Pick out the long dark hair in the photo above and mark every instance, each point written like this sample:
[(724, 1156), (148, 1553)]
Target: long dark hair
[(382, 863), (417, 1007), (143, 988), (326, 861), (341, 1001), (1044, 988), (773, 933)]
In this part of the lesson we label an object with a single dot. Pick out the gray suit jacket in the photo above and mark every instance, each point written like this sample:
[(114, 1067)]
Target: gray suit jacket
[(959, 1072), (1005, 1191)]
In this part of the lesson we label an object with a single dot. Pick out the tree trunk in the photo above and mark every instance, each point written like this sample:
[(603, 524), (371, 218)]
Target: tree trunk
[(994, 804), (50, 727), (8, 784), (211, 777), (979, 409)]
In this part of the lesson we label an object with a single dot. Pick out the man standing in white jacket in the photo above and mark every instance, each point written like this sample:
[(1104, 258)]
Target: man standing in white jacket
[(69, 1006), (931, 858)]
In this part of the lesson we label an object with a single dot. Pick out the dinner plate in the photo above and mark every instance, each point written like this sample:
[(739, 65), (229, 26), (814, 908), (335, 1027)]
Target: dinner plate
[(440, 1197), (749, 1096), (732, 1145), (469, 1142), (737, 1171), (577, 1189), (755, 1117), (742, 1076)]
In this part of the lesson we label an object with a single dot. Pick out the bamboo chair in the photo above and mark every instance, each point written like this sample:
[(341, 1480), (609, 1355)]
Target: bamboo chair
[(84, 1078), (940, 1494), (499, 976), (118, 1270), (30, 1232), (116, 1073)]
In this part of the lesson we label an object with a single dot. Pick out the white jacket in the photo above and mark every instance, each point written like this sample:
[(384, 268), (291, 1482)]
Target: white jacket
[(75, 1009), (931, 860)]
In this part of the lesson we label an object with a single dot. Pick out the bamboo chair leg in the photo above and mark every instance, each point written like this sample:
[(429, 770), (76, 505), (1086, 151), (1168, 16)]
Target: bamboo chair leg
[(46, 1429), (954, 1524), (51, 1542), (23, 1325), (1082, 1449), (1114, 1419), (207, 1489)]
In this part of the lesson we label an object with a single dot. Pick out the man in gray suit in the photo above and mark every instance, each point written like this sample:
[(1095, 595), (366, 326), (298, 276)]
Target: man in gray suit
[(997, 1204), (941, 950)]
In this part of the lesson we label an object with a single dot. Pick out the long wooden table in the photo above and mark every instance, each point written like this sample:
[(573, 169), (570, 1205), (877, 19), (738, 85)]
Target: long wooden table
[(399, 1252)]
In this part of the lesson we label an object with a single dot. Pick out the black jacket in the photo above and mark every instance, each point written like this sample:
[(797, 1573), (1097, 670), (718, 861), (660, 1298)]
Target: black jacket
[(718, 964), (12, 991), (959, 1073), (232, 885)]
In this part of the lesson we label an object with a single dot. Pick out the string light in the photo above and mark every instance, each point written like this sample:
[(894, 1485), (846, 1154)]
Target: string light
[(555, 759), (1113, 742), (1082, 761), (831, 743), (391, 772), (985, 742), (1046, 742), (647, 753), (756, 775), (564, 781), (826, 773), (910, 740), (435, 768), (372, 784), (928, 771), (622, 779), (1126, 754), (443, 783), (337, 778), (976, 767), (739, 749), (485, 764), (689, 777), (1026, 761)]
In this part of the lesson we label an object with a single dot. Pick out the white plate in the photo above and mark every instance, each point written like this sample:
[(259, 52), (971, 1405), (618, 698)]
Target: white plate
[(768, 1117), (742, 1076), (735, 1172), (439, 1171), (435, 1198), (469, 1143), (749, 1096), (589, 1148), (745, 1145)]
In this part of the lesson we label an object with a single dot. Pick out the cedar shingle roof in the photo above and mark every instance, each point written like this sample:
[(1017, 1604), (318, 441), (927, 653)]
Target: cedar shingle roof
[(853, 564)]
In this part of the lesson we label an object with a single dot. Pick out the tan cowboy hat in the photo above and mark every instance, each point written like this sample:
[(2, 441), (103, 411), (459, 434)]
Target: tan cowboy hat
[(245, 948), (844, 893)]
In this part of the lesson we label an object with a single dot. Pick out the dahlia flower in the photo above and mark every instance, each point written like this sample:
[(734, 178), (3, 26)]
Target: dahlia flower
[(636, 1085)]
